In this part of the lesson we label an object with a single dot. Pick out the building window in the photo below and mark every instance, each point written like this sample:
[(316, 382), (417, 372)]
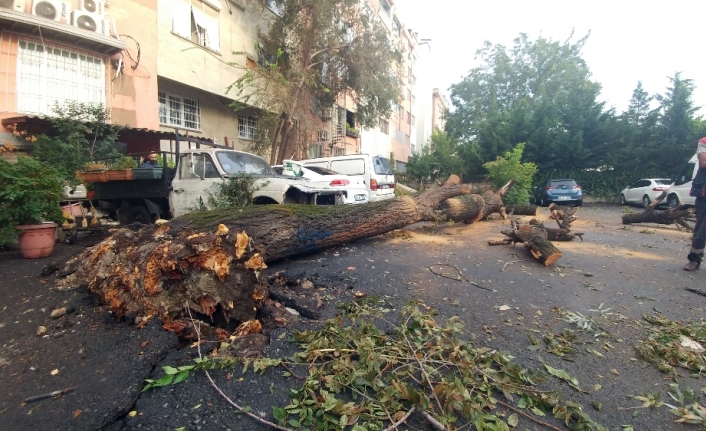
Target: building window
[(323, 135), (338, 151), (384, 126), (316, 150), (47, 75), (274, 7), (247, 127), (197, 21), (179, 111)]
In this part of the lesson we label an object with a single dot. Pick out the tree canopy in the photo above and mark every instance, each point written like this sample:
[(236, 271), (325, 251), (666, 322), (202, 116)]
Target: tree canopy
[(541, 93), (314, 53)]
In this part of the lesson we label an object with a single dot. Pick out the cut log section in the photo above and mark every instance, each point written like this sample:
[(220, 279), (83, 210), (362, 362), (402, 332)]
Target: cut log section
[(679, 215), (535, 240), (525, 210), (473, 207), (557, 234), (564, 216)]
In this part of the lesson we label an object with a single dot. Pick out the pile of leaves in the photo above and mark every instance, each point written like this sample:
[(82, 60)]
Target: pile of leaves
[(361, 376), (669, 344)]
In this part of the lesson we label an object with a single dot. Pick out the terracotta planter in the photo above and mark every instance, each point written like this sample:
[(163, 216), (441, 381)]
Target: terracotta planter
[(93, 176), (37, 240), (119, 174)]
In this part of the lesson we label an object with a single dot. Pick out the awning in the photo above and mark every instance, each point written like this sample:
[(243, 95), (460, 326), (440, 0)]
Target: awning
[(138, 140), (45, 28)]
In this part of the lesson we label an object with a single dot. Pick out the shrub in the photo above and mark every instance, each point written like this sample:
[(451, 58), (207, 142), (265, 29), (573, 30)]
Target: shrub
[(510, 167), (30, 192), (235, 192)]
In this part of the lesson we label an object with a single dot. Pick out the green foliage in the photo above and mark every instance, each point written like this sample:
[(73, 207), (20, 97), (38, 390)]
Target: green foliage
[(510, 167), (310, 56), (540, 92), (664, 346), (173, 376), (170, 162), (235, 192), (361, 376), (30, 192), (124, 162), (81, 135), (435, 161)]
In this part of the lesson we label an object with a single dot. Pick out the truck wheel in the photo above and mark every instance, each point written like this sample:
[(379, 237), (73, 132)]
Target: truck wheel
[(140, 214)]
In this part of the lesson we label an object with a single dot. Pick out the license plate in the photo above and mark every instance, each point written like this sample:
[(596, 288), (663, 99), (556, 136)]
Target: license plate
[(359, 197), (563, 198), (385, 186)]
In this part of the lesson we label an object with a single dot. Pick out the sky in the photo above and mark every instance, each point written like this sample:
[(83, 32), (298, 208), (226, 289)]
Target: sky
[(629, 40)]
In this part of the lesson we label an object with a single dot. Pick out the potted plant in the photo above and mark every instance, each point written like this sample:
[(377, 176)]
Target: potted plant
[(29, 206), (93, 173), (122, 169)]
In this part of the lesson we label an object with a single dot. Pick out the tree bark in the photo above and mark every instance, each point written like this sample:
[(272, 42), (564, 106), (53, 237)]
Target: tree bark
[(535, 240), (210, 261), (670, 216), (529, 210), (557, 234), (494, 201), (467, 209)]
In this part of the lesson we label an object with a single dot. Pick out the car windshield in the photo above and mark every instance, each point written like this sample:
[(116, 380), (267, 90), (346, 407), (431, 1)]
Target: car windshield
[(382, 166), (321, 171), (243, 163), (563, 183), (664, 182)]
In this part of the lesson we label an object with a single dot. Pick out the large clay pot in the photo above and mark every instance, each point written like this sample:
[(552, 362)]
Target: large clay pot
[(37, 240)]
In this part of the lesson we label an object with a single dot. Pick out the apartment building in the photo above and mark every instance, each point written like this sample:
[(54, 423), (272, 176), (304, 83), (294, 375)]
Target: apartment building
[(402, 133), (158, 65), (439, 106)]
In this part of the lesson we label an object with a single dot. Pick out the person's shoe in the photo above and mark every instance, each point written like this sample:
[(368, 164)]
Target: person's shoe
[(692, 266)]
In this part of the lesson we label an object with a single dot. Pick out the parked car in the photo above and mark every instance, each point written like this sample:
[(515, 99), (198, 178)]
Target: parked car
[(559, 191), (354, 189), (678, 193), (375, 171), (644, 191)]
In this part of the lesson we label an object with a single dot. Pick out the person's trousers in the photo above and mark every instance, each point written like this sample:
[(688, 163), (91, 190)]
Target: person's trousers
[(698, 241)]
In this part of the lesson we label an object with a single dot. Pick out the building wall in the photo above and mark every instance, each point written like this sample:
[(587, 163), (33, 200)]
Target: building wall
[(134, 90), (439, 107)]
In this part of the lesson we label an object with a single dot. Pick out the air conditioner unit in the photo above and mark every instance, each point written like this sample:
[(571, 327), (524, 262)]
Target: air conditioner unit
[(96, 7), (56, 10), (90, 22), (16, 5)]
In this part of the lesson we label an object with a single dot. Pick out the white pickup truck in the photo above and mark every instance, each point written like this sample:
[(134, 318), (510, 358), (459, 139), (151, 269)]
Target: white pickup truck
[(173, 192)]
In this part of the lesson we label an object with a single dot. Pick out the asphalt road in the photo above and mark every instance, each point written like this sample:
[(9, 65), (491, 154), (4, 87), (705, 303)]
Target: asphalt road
[(629, 270)]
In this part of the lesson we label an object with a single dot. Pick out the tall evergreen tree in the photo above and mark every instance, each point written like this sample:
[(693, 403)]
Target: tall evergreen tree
[(539, 92), (677, 122)]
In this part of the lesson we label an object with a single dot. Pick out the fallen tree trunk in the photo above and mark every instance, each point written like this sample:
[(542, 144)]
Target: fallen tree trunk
[(676, 215), (210, 261), (557, 234), (467, 209), (473, 207), (529, 210)]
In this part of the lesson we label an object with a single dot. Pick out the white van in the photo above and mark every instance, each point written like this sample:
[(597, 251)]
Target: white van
[(375, 171), (678, 192)]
